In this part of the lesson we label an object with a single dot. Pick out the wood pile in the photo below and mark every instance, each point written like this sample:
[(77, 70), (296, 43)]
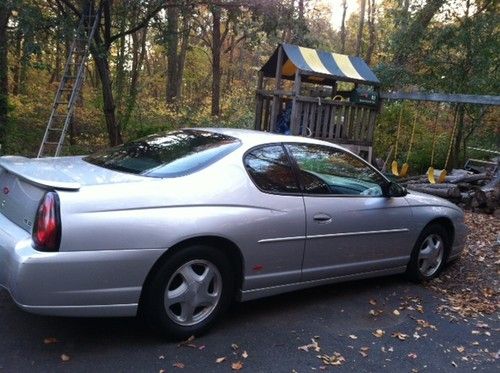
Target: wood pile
[(477, 192)]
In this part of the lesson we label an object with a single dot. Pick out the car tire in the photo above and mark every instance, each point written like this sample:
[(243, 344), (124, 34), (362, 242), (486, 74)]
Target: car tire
[(188, 292), (429, 254)]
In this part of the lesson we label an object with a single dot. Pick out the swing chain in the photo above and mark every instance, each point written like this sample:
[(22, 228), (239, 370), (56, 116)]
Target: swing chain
[(398, 131), (452, 138)]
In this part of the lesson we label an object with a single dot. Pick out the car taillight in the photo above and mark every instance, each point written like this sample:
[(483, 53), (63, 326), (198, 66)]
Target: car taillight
[(47, 227)]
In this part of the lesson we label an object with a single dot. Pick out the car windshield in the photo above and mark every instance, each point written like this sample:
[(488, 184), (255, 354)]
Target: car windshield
[(168, 154)]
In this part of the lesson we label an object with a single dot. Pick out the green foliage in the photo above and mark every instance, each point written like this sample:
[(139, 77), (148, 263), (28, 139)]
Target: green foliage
[(458, 53)]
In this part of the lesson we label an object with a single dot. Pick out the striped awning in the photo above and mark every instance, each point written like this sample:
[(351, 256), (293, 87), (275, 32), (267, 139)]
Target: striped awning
[(319, 66)]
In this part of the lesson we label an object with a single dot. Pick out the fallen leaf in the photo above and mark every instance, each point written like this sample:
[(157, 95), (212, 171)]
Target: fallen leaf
[(237, 366), (363, 351), (178, 365), (396, 312), (425, 324), (379, 333), (244, 355), (187, 342), (220, 359), (313, 345), (375, 312), (400, 336), (50, 340), (335, 359), (65, 358)]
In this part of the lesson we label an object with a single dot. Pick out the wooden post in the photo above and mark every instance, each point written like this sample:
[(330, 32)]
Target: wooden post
[(258, 102), (334, 89), (276, 97), (294, 118)]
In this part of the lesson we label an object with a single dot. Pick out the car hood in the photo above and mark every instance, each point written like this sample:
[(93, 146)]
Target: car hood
[(63, 173), (422, 199)]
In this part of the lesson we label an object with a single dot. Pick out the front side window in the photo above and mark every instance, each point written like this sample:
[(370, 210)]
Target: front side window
[(270, 169), (169, 154), (326, 170)]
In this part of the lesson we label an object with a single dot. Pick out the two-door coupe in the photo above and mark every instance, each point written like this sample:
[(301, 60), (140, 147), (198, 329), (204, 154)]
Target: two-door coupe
[(175, 226)]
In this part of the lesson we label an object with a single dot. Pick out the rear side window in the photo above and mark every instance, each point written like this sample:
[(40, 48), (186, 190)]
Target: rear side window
[(270, 169), (169, 154)]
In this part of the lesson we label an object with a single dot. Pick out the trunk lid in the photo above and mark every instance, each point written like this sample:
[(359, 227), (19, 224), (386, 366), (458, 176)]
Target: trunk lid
[(24, 181)]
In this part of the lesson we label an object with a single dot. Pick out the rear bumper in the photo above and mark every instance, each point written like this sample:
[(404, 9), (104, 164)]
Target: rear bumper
[(83, 283)]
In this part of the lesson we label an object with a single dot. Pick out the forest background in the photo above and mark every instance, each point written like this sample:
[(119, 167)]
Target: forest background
[(165, 64)]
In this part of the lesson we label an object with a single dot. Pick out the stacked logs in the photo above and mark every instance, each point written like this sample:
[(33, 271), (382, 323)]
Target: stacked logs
[(477, 192)]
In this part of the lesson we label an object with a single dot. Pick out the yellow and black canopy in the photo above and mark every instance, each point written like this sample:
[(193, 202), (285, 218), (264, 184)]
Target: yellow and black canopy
[(319, 66)]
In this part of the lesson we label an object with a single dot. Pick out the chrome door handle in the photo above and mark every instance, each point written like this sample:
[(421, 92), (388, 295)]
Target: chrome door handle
[(322, 218)]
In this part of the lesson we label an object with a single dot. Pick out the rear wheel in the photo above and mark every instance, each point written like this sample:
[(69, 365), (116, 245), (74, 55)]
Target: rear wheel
[(189, 291), (429, 254)]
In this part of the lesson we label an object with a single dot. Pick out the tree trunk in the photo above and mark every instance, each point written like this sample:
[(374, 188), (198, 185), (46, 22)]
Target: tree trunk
[(216, 52), (371, 28), (361, 25), (17, 61), (181, 60), (120, 70), (56, 73), (4, 87), (342, 27), (138, 56), (415, 32), (112, 126), (172, 44)]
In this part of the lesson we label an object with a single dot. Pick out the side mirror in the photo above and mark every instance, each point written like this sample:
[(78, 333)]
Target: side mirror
[(392, 189)]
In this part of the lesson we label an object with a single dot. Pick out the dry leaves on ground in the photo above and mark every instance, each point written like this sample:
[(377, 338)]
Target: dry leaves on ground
[(237, 366), (313, 345), (379, 333), (468, 286), (335, 359)]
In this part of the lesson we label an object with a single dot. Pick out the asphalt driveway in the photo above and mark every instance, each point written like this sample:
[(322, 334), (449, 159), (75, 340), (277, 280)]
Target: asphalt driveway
[(364, 326)]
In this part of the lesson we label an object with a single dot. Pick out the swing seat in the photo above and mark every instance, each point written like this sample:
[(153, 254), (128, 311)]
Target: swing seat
[(404, 170), (433, 175), (400, 172), (395, 168)]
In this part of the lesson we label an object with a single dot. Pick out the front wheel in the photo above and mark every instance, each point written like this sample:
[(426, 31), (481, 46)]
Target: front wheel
[(429, 254), (189, 291)]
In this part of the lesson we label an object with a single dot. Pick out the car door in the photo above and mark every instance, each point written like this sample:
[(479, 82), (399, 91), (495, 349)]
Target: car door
[(350, 226), (277, 226)]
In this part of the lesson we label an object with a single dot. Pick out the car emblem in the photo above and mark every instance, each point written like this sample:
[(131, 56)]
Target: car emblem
[(6, 190)]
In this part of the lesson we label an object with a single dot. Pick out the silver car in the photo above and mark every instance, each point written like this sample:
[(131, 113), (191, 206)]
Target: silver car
[(177, 225)]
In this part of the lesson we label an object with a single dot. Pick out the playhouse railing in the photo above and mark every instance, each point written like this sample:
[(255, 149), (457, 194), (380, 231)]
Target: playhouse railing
[(341, 122)]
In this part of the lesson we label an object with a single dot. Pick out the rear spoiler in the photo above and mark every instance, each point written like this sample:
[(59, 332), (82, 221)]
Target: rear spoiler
[(38, 172)]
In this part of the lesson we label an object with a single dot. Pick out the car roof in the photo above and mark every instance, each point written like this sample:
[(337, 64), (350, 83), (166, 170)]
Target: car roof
[(252, 137)]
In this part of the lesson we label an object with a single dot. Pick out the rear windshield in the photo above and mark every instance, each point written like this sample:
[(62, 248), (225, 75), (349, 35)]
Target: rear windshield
[(168, 154)]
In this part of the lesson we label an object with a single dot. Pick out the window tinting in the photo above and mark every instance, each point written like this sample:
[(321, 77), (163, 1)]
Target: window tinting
[(325, 170), (270, 169), (167, 155)]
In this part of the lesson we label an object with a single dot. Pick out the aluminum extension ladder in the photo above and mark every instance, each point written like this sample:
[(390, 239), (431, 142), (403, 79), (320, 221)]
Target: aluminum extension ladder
[(69, 87)]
